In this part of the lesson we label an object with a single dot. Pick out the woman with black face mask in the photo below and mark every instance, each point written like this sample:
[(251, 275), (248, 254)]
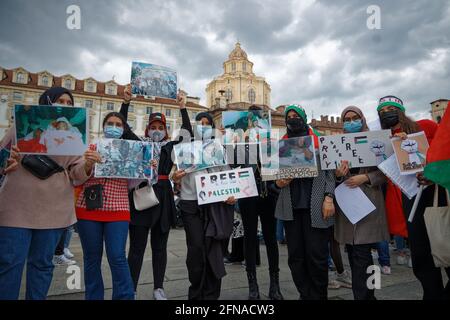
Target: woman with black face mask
[(392, 116), (306, 206)]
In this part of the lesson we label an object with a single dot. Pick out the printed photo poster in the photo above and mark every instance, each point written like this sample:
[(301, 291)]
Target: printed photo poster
[(4, 156), (246, 126), (153, 80), (362, 149), (219, 186), (411, 153), (289, 159), (199, 155), (49, 130), (125, 159)]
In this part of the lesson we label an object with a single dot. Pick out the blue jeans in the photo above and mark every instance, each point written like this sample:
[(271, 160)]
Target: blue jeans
[(114, 235), (280, 230), (18, 245), (384, 259), (399, 243)]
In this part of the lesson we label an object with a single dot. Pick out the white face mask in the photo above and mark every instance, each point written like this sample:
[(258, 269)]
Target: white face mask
[(156, 135)]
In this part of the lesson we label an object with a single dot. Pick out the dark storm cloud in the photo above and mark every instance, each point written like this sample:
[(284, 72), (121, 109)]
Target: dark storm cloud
[(319, 53)]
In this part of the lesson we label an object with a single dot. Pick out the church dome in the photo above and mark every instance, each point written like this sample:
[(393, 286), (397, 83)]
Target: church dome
[(238, 53)]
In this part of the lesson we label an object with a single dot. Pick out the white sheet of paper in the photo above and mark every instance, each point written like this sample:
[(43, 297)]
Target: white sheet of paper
[(406, 183), (353, 202)]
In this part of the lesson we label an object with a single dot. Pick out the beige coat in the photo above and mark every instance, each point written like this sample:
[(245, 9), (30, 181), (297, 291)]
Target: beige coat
[(28, 202), (373, 228)]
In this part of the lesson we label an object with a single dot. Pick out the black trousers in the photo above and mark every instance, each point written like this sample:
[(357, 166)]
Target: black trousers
[(204, 284), (360, 258), (138, 244), (308, 256), (422, 261), (251, 208)]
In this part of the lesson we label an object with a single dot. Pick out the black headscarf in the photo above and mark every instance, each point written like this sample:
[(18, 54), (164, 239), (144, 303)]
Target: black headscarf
[(292, 134), (51, 95)]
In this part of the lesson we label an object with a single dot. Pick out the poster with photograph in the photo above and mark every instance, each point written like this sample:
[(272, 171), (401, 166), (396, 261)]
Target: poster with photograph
[(219, 186), (4, 156), (199, 155), (411, 153), (126, 159), (51, 130), (362, 149), (290, 158), (152, 80), (246, 126)]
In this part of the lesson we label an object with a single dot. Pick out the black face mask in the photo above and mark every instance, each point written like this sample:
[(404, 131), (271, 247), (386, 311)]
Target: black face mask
[(297, 126), (389, 119)]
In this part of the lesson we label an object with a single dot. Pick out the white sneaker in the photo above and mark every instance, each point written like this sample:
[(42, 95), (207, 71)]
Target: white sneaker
[(410, 262), (402, 260), (345, 279), (386, 270), (68, 254), (62, 260), (332, 283), (159, 294)]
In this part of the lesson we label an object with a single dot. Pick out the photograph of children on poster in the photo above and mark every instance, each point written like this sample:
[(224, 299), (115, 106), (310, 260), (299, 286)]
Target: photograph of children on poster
[(362, 149), (411, 153), (219, 186), (199, 155), (246, 126), (50, 130), (152, 80), (126, 159), (296, 159)]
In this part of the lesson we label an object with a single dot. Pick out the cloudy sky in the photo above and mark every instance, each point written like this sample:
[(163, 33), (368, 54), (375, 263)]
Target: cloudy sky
[(320, 53)]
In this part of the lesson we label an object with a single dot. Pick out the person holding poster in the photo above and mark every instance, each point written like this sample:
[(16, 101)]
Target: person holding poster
[(262, 206), (361, 237), (103, 214), (156, 220), (206, 226), (35, 212), (306, 207), (392, 116)]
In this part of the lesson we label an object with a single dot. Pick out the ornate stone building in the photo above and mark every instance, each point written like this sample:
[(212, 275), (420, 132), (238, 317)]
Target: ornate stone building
[(438, 108), (19, 86)]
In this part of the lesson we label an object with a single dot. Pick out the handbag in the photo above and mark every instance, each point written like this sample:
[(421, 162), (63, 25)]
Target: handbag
[(40, 166), (437, 222), (93, 196), (145, 198)]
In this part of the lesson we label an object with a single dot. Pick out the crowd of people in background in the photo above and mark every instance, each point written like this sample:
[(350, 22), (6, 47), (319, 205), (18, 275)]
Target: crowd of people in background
[(37, 217)]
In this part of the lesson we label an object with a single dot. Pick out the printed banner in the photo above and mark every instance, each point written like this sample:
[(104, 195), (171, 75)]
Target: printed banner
[(199, 155), (219, 186), (411, 153), (246, 126)]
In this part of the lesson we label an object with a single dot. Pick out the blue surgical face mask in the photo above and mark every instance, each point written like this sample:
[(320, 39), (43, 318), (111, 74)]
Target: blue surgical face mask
[(113, 132), (156, 135), (353, 126), (204, 132)]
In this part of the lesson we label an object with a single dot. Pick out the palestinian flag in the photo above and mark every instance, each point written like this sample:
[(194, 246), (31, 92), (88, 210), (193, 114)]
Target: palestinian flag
[(438, 155), (243, 174), (361, 140)]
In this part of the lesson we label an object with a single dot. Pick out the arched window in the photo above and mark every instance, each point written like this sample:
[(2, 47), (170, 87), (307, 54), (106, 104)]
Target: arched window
[(229, 94), (251, 95), (68, 84), (233, 66), (20, 77), (44, 81), (244, 67), (90, 86)]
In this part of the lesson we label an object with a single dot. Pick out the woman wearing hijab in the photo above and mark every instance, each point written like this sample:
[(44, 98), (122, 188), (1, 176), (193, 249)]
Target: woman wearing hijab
[(34, 213), (306, 207), (159, 219), (360, 238), (206, 226), (392, 114)]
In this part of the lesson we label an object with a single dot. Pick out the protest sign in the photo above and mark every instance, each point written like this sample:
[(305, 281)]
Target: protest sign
[(199, 155), (219, 186), (4, 156), (411, 153), (152, 80), (362, 149), (51, 130), (289, 159), (246, 126), (126, 159)]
